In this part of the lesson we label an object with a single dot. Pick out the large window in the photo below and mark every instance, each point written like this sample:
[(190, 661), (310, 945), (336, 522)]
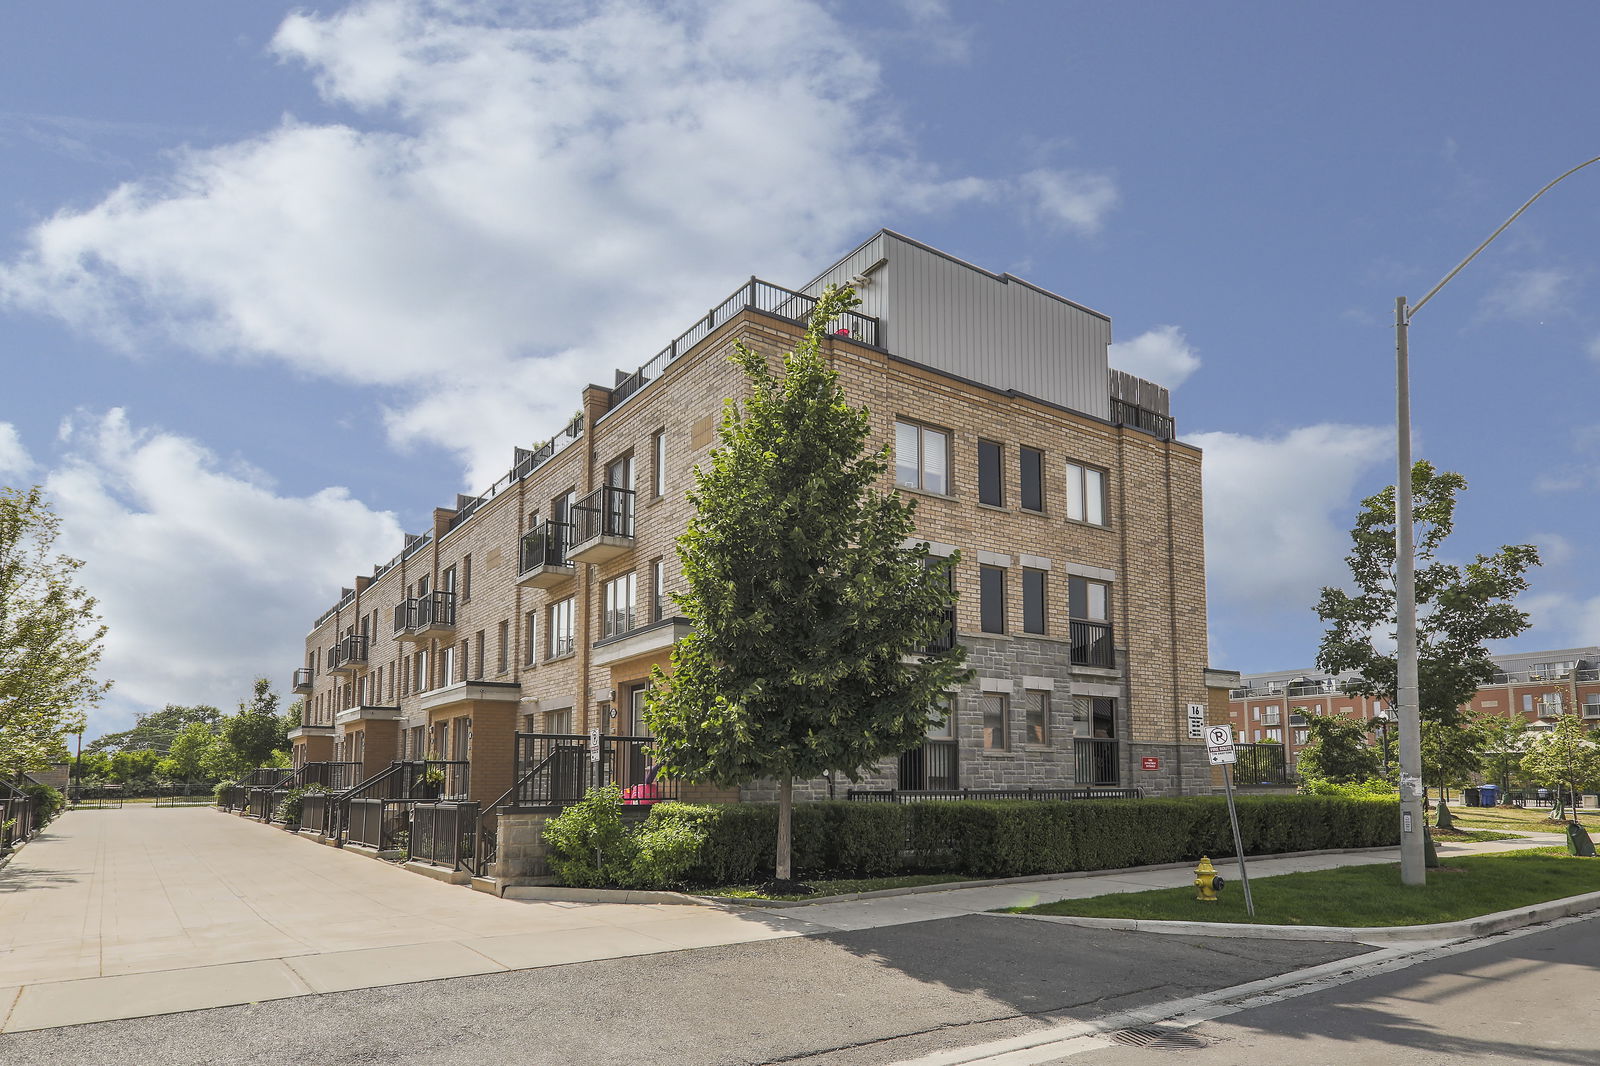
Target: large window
[(1031, 470), (921, 458), (995, 722), (1086, 494), (991, 479), (619, 594), (992, 599), (560, 626), (1033, 600)]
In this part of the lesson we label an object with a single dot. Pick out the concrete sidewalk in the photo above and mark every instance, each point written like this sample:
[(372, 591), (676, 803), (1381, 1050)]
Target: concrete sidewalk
[(139, 911)]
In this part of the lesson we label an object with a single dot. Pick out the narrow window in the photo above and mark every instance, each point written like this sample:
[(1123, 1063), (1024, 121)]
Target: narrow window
[(1089, 610), (658, 450), (1038, 717), (994, 722), (561, 634), (658, 590), (1031, 470), (466, 578), (478, 640), (1033, 600), (528, 638), (991, 482), (992, 598), (619, 604), (505, 647)]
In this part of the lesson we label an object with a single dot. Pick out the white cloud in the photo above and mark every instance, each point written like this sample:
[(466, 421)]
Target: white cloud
[(1529, 294), (1279, 509), (1559, 619), (205, 578), (1162, 355), (14, 458), (1554, 549), (1593, 349), (1071, 199), (525, 198)]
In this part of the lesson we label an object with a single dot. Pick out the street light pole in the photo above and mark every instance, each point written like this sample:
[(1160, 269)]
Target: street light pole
[(1407, 712)]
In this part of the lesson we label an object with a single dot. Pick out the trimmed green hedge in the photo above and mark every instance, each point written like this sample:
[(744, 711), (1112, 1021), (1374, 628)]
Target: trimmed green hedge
[(1017, 837)]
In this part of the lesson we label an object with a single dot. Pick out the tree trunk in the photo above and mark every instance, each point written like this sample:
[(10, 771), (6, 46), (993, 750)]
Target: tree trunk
[(785, 806)]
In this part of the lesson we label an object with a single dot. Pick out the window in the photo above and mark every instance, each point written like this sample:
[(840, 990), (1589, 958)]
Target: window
[(1102, 717), (478, 641), (530, 643), (558, 721), (503, 661), (658, 452), (618, 618), (420, 662), (447, 580), (1591, 705), (1089, 610), (1088, 601), (1086, 494), (448, 673), (1527, 703), (991, 481), (1275, 735), (1031, 468), (466, 578), (1033, 600), (921, 458), (636, 722), (1038, 712), (1302, 736), (992, 599), (658, 590), (994, 722), (560, 627)]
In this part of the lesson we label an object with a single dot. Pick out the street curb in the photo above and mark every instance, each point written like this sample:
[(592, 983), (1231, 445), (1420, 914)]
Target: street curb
[(953, 886), (559, 894), (1483, 925)]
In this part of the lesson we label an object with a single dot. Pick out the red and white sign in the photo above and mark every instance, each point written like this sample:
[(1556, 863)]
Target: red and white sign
[(1149, 762)]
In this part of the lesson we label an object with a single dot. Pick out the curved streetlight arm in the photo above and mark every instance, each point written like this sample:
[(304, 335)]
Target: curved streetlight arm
[(1413, 310)]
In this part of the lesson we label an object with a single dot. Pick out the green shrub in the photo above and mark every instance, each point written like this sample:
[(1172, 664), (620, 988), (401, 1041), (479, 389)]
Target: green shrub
[(291, 805), (219, 788), (50, 801), (1014, 838), (589, 847)]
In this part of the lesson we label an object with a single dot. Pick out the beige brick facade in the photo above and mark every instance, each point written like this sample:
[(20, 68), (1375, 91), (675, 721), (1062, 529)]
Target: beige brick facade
[(1149, 550)]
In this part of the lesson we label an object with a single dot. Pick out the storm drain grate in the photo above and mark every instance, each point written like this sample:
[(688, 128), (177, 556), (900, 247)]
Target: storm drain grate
[(1158, 1038)]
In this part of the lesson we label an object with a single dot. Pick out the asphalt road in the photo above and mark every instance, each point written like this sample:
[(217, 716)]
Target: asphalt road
[(850, 999), (1526, 1000)]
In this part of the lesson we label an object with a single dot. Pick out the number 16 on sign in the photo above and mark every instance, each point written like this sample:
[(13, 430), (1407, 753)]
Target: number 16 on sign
[(1220, 750)]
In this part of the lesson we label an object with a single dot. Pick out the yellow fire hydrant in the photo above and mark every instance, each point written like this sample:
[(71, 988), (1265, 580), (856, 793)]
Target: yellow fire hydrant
[(1206, 880)]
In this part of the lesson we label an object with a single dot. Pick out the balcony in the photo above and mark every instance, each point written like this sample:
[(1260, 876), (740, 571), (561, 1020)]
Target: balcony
[(544, 563), (302, 681), (1272, 718), (349, 656), (946, 638), (1096, 761), (1091, 645), (1297, 721), (421, 617), (604, 525)]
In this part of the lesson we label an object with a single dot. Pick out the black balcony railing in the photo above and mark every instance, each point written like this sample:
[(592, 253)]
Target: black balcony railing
[(1261, 765), (946, 638), (545, 546), (350, 651), (302, 678), (933, 765), (605, 512), (1124, 413), (437, 608), (1096, 762), (1091, 644), (404, 612)]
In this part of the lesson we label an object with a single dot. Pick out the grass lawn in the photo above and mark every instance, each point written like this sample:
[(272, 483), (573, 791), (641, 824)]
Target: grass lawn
[(1362, 895), (1462, 836), (1525, 819), (834, 888)]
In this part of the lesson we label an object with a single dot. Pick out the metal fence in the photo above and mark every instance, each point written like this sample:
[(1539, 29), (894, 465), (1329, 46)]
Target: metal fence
[(378, 823), (900, 795), (314, 811), (444, 834), (1261, 765), (1096, 762), (556, 769)]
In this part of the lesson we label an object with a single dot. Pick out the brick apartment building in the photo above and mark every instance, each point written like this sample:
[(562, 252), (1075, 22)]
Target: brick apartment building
[(1537, 685), (541, 605)]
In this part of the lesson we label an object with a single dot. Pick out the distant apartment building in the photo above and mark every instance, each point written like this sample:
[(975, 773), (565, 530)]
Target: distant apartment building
[(1538, 686), (538, 608)]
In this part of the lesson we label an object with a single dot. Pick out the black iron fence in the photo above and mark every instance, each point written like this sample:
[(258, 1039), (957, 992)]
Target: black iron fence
[(1096, 762), (556, 769), (903, 795), (445, 834), (1261, 765), (378, 823), (445, 779), (314, 808), (545, 545)]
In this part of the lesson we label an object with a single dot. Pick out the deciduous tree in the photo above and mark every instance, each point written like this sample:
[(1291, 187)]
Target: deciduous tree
[(50, 637), (1565, 758), (808, 612), (1337, 750)]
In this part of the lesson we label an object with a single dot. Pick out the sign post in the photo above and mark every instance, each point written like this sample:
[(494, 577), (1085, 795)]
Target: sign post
[(1220, 750)]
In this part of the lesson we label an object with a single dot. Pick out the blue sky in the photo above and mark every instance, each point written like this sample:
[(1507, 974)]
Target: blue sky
[(276, 281)]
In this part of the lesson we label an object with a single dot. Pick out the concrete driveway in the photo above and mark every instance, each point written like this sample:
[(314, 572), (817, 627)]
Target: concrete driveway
[(145, 910)]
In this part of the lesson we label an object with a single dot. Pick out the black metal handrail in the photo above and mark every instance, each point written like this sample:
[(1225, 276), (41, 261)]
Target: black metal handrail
[(445, 834), (545, 545), (629, 763), (1091, 644), (404, 612), (552, 769), (397, 781), (353, 648), (451, 778), (1124, 413), (302, 677), (1096, 762), (437, 608), (605, 512)]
